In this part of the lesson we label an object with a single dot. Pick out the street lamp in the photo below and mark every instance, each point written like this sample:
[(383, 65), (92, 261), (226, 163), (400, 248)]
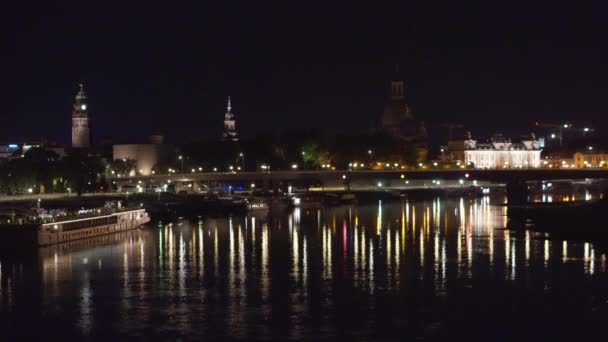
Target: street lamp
[(370, 153), (182, 160), (303, 159), (242, 160)]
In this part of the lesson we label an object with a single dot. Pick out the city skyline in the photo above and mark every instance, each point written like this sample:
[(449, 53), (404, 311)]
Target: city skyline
[(491, 73)]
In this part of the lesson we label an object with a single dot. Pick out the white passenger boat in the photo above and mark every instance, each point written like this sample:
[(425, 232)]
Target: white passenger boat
[(65, 228), (56, 232)]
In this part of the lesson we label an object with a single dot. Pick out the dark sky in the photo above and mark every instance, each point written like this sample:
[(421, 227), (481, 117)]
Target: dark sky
[(493, 66)]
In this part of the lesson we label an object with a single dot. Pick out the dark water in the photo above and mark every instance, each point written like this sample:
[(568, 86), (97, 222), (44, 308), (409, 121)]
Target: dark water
[(440, 269)]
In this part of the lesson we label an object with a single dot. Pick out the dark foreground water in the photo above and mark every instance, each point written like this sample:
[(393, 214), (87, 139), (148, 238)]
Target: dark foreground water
[(442, 269)]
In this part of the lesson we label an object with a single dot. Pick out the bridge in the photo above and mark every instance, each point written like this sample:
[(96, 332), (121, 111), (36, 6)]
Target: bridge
[(514, 179)]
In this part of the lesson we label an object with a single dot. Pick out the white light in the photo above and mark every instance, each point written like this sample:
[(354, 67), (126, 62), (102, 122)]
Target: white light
[(552, 135), (435, 164), (586, 129), (460, 181), (83, 107), (294, 166), (379, 184), (30, 190), (565, 125)]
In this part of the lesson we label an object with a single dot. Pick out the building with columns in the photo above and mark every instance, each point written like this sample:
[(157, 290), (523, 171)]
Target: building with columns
[(81, 129), (229, 125), (501, 153)]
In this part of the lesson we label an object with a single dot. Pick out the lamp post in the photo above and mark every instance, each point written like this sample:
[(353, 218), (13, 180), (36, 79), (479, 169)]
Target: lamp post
[(182, 160), (370, 153), (303, 160), (242, 160)]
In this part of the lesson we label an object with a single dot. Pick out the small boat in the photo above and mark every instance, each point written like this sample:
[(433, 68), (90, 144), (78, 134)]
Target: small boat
[(257, 206)]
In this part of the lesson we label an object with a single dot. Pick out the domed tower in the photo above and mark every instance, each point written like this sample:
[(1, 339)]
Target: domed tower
[(398, 121), (81, 131)]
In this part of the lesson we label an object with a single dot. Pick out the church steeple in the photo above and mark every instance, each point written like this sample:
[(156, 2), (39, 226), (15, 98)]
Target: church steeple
[(229, 124)]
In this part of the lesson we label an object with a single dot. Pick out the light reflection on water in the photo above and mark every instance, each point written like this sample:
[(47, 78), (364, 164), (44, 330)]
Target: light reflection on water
[(294, 275)]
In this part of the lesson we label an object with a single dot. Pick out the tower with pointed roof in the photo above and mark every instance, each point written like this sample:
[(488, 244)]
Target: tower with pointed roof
[(229, 125), (81, 130)]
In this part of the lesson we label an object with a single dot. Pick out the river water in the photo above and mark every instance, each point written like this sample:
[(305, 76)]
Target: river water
[(434, 269)]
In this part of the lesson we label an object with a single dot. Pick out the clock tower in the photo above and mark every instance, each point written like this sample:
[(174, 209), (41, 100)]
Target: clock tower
[(81, 131)]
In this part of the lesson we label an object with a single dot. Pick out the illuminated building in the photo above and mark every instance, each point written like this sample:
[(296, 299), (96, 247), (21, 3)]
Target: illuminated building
[(7, 151), (81, 130), (229, 125), (500, 152), (591, 159), (145, 156)]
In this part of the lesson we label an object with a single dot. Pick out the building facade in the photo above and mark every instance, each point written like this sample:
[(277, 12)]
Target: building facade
[(81, 129), (229, 124), (7, 151), (145, 156), (591, 159), (501, 153)]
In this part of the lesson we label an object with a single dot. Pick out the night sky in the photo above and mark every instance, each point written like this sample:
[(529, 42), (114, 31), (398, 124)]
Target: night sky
[(168, 68)]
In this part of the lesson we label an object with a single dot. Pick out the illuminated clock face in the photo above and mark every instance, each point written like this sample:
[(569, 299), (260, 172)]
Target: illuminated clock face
[(83, 107)]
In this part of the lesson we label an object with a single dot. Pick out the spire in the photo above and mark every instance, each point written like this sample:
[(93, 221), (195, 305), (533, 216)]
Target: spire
[(81, 95), (229, 124)]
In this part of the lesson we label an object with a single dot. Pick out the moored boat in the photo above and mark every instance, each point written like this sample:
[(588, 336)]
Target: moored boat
[(66, 228)]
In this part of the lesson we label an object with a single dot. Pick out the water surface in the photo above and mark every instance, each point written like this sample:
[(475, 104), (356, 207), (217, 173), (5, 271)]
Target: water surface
[(435, 269)]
